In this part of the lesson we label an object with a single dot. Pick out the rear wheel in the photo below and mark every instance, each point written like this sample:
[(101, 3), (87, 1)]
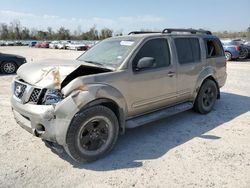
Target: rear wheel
[(92, 134), (206, 97), (9, 67), (228, 56), (243, 54)]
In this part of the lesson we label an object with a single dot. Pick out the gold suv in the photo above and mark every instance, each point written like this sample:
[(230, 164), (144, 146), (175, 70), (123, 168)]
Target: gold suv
[(122, 82)]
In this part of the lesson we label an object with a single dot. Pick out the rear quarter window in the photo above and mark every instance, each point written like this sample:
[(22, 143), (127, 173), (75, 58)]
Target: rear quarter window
[(213, 48)]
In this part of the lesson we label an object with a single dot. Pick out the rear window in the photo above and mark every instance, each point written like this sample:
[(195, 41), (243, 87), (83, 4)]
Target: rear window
[(188, 50), (214, 48)]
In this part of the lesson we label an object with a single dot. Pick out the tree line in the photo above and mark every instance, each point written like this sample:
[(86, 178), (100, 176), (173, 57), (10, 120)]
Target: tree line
[(239, 34), (15, 31)]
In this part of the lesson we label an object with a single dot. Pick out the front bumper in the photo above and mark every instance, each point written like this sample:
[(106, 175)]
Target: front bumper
[(45, 121)]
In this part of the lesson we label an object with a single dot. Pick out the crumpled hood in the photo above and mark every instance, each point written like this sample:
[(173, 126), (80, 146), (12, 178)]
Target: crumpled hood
[(47, 73), (56, 73)]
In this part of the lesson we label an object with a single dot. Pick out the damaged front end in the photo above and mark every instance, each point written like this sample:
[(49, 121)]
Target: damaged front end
[(38, 103)]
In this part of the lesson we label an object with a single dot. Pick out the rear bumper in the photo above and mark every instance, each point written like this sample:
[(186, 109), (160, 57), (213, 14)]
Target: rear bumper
[(222, 80)]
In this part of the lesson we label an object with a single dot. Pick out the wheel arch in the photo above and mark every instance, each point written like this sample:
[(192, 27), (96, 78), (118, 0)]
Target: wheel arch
[(112, 105), (202, 79)]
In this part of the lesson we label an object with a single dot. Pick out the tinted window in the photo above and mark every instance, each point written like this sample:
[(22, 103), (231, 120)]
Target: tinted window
[(156, 48), (188, 50), (214, 48)]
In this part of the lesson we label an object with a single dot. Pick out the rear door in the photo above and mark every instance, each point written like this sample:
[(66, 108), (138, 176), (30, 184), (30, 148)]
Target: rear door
[(190, 64)]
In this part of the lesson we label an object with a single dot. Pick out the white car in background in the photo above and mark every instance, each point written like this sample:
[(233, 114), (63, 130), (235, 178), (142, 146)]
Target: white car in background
[(63, 44), (77, 46), (54, 44)]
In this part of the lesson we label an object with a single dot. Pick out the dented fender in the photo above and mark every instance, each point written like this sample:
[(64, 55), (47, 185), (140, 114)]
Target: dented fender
[(205, 73), (86, 94)]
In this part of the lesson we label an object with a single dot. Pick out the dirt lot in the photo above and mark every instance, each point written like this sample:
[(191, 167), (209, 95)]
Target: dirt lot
[(186, 150)]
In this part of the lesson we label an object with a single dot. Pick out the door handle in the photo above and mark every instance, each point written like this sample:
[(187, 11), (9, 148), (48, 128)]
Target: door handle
[(171, 74)]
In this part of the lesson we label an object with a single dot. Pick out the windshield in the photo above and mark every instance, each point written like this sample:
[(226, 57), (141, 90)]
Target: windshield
[(109, 53)]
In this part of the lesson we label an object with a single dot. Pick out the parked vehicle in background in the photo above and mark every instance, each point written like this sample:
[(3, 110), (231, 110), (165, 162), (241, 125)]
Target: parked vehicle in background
[(25, 43), (245, 50), (233, 50), (77, 46), (63, 44), (9, 63), (18, 43), (45, 44), (42, 45), (2, 43), (247, 43), (32, 43), (54, 44), (9, 43), (38, 45), (122, 82)]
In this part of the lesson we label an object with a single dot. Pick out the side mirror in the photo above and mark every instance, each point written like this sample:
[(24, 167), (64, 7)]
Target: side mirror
[(145, 62)]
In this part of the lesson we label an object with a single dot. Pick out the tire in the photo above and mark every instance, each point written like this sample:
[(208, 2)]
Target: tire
[(92, 134), (206, 97), (243, 54), (9, 67), (228, 56)]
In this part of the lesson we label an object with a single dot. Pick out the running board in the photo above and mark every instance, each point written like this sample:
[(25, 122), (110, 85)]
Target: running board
[(160, 114)]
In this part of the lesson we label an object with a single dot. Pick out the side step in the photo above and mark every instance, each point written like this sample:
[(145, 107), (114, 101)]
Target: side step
[(160, 114)]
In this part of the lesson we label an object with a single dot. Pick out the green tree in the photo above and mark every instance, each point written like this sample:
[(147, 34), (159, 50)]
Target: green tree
[(50, 33), (4, 31), (25, 34), (105, 33), (63, 34), (92, 34)]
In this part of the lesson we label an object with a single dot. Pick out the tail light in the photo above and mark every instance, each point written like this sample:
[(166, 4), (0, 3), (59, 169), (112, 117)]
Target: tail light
[(236, 47)]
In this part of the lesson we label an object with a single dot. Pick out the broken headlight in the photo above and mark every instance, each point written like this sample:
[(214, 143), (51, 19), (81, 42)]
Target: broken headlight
[(52, 97)]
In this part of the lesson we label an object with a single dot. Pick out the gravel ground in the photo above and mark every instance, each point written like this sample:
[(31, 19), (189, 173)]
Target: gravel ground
[(186, 150)]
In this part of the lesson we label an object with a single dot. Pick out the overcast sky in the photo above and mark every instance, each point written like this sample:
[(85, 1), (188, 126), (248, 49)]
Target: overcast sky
[(127, 15)]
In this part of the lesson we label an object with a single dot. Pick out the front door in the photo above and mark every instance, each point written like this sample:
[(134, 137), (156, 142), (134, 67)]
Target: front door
[(154, 87)]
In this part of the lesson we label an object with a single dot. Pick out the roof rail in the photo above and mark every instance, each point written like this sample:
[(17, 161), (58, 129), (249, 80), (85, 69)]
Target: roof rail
[(142, 32), (192, 31)]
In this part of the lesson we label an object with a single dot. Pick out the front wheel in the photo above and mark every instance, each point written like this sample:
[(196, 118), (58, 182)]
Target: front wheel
[(206, 97), (92, 134)]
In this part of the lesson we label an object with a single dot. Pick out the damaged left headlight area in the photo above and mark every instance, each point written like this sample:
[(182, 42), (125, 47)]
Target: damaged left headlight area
[(26, 93), (45, 96), (51, 97)]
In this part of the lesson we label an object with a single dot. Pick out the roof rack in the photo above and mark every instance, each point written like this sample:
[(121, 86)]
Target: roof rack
[(142, 32), (192, 31)]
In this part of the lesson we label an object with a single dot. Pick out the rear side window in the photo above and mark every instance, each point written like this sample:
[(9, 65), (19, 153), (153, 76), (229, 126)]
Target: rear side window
[(188, 50), (156, 48), (214, 48)]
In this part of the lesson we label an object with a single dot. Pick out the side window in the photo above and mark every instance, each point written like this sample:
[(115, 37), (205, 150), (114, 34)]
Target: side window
[(157, 49), (214, 48), (188, 50)]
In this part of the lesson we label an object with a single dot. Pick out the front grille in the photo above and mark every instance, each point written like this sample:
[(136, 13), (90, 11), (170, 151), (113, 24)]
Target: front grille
[(34, 97), (19, 90)]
